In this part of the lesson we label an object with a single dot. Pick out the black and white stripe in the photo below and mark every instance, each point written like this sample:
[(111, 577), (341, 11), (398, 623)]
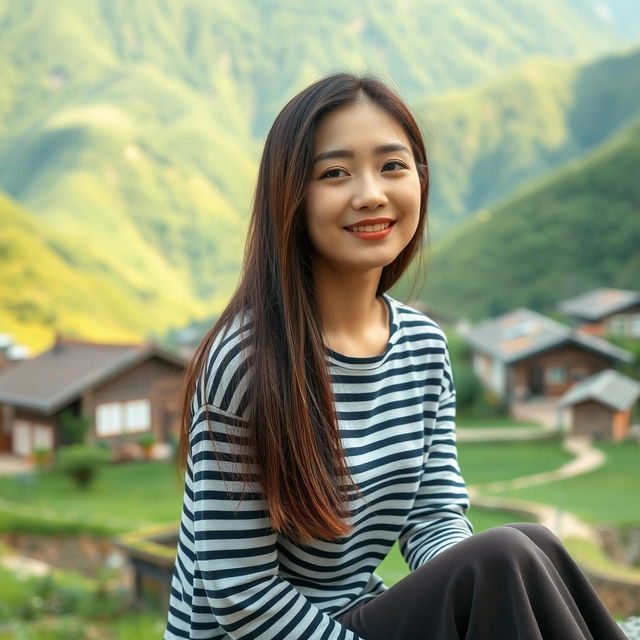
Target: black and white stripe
[(235, 577)]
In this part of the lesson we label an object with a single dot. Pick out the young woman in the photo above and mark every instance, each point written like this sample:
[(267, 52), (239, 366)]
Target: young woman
[(320, 416)]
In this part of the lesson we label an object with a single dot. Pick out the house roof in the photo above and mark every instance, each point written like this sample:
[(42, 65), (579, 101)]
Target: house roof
[(523, 333), (56, 377), (599, 303), (607, 387)]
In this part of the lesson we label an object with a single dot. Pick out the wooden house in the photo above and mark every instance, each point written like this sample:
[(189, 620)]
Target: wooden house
[(524, 354), (601, 406), (124, 389), (605, 311)]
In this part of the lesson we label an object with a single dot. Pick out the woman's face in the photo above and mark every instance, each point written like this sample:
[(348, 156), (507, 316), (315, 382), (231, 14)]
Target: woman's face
[(364, 170)]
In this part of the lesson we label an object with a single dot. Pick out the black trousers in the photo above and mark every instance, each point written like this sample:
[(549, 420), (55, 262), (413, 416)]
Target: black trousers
[(513, 582)]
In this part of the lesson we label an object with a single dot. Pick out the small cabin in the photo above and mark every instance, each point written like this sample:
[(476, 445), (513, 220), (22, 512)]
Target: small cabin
[(602, 406)]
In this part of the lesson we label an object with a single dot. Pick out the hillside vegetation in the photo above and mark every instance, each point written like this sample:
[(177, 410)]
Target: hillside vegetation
[(487, 141), (559, 237), (130, 132), (54, 280)]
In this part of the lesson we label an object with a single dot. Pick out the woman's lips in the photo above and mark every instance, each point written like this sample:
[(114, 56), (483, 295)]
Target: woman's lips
[(372, 235)]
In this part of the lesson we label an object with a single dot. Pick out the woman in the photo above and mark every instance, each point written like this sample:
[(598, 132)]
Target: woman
[(320, 415)]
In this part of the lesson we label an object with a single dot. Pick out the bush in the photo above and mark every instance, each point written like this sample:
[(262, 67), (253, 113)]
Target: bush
[(489, 405), (468, 387), (82, 462), (146, 440), (74, 428)]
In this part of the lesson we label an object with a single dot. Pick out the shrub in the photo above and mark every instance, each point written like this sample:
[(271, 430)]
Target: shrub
[(468, 387), (74, 428), (82, 462), (146, 440)]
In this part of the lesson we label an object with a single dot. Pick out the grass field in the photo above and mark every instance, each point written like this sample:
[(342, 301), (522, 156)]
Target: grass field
[(469, 421), (124, 497), (482, 462), (608, 494), (134, 495), (131, 496)]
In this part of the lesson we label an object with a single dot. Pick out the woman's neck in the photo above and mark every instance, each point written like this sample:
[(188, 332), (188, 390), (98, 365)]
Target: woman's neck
[(353, 320)]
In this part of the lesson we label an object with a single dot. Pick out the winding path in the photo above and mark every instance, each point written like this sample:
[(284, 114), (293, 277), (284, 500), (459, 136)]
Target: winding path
[(560, 521)]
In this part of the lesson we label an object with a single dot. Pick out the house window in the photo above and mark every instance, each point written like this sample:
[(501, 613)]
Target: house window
[(114, 418), (555, 375), (30, 436), (109, 419), (137, 415), (21, 438), (618, 324)]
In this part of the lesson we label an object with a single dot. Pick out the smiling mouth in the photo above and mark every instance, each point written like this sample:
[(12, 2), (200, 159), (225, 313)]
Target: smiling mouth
[(370, 228)]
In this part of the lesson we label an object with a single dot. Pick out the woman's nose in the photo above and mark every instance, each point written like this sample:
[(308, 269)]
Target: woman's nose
[(369, 193)]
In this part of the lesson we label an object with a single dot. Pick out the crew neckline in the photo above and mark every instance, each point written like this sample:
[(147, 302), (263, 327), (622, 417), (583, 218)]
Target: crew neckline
[(371, 362)]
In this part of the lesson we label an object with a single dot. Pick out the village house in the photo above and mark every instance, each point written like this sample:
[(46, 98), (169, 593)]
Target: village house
[(605, 311), (601, 406), (523, 354), (124, 389)]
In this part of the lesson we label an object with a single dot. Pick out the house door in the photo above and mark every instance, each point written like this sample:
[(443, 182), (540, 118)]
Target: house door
[(536, 379)]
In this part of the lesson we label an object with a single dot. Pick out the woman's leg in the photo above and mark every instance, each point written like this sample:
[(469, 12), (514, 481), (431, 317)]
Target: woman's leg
[(594, 612), (501, 584)]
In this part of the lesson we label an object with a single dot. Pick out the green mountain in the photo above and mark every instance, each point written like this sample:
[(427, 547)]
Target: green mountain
[(554, 239), (49, 279), (130, 132), (487, 141)]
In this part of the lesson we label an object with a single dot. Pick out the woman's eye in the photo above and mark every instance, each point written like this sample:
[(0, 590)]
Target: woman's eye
[(400, 164), (326, 173)]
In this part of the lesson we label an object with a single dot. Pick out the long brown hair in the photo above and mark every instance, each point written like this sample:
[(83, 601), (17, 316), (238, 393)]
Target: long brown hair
[(294, 435)]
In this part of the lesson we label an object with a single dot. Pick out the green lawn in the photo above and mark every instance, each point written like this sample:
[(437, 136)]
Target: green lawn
[(127, 626), (608, 494), (482, 462), (135, 495), (124, 497), (467, 421)]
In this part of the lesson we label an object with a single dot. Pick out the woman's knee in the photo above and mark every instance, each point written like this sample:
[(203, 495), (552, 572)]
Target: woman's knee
[(542, 536), (499, 546)]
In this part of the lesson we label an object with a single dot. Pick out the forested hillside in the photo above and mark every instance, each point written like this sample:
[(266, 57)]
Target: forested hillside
[(555, 239), (49, 279), (130, 132), (487, 141)]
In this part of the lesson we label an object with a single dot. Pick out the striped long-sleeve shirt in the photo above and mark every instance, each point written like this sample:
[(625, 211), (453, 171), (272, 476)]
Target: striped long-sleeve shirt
[(235, 577)]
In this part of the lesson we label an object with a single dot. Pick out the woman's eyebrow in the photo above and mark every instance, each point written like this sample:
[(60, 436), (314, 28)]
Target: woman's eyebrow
[(344, 153)]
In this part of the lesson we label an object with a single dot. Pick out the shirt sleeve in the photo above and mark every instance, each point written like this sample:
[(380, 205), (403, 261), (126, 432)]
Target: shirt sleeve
[(437, 519), (236, 562)]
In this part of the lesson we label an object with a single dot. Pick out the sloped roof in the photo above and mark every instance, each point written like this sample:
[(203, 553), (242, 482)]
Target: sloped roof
[(599, 303), (608, 387), (523, 333), (58, 376)]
